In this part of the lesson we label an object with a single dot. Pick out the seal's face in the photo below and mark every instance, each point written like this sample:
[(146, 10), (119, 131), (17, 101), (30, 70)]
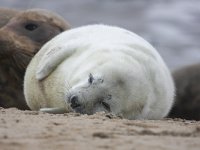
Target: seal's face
[(90, 96), (25, 34)]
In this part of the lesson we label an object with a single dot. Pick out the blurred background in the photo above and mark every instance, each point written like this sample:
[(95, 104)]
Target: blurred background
[(171, 26)]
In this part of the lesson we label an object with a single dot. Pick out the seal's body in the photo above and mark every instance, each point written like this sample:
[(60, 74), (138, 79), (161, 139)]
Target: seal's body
[(187, 100), (100, 68), (22, 34)]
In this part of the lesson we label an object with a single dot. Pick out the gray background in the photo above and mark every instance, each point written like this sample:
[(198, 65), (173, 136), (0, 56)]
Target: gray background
[(171, 26)]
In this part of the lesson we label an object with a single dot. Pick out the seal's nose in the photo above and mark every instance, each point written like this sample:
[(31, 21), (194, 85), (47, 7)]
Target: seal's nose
[(74, 101)]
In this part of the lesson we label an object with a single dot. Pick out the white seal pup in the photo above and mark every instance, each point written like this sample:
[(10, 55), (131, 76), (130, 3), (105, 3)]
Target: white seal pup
[(99, 68)]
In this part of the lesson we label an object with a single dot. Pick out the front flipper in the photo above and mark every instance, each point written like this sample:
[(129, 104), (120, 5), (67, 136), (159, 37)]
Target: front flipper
[(51, 59), (55, 110)]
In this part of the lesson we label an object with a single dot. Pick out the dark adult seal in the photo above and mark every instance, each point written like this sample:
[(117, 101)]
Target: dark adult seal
[(187, 101), (20, 39)]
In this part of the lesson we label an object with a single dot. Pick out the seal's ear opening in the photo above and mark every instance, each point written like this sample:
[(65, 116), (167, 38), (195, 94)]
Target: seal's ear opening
[(91, 78)]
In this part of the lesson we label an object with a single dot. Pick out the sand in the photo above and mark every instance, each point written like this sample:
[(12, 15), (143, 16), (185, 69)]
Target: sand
[(31, 130)]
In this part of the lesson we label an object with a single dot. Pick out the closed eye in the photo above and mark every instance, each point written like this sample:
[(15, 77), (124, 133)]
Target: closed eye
[(91, 78), (106, 106)]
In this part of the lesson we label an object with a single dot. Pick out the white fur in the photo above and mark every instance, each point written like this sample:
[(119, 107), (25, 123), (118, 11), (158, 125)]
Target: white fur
[(133, 73)]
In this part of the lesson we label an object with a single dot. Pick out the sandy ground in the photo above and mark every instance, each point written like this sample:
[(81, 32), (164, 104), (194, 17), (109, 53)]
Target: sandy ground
[(25, 130)]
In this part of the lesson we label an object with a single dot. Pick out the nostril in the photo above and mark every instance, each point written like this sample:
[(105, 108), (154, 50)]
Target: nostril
[(74, 101)]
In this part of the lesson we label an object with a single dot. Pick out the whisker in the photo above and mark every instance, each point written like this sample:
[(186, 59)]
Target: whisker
[(69, 86), (68, 91)]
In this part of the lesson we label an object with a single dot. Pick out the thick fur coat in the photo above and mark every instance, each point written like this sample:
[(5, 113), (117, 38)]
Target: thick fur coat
[(100, 68)]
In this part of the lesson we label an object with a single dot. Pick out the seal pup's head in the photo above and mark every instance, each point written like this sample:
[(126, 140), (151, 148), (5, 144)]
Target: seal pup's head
[(90, 96), (96, 93), (25, 34)]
